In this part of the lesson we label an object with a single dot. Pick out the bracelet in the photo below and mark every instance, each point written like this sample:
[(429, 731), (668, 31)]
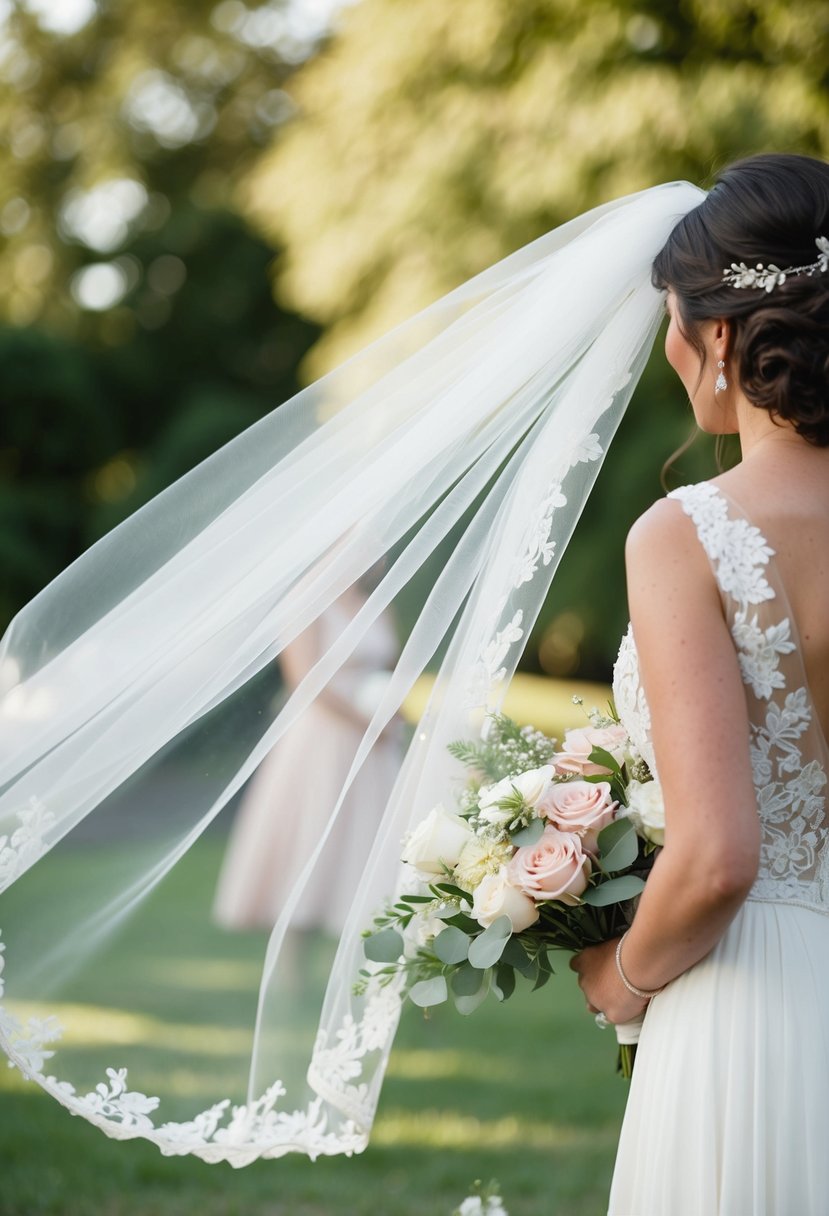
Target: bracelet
[(631, 987)]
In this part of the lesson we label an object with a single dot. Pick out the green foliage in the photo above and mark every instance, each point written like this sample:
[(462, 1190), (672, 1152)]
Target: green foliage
[(433, 139), (461, 1100), (89, 432), (529, 835), (618, 845), (480, 125), (174, 99), (615, 891), (383, 947), (487, 947), (105, 406), (507, 749)]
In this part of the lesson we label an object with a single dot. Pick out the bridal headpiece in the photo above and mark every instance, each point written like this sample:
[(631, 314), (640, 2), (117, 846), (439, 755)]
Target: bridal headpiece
[(769, 277)]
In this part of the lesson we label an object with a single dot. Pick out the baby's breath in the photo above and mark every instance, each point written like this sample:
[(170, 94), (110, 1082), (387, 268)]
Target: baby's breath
[(507, 750)]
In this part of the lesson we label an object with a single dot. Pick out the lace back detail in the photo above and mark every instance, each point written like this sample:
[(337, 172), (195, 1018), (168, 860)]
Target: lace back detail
[(788, 751)]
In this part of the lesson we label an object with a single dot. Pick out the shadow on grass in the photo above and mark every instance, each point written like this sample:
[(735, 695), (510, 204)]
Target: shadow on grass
[(525, 1092), (58, 1166)]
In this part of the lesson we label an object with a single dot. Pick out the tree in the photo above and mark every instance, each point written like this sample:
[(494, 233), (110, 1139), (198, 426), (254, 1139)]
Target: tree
[(433, 139), (141, 329), (113, 122)]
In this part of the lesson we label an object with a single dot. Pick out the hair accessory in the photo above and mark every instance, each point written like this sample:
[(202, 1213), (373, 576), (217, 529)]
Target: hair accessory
[(631, 987), (769, 277), (721, 382)]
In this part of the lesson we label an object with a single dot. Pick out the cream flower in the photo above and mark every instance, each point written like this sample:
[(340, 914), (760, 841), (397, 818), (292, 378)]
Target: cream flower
[(646, 810), (497, 896), (437, 842), (480, 856)]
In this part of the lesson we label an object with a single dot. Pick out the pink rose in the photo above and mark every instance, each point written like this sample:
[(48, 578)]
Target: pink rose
[(578, 744), (556, 867), (581, 807)]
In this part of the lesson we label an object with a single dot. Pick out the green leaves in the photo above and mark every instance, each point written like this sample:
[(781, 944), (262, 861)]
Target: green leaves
[(600, 756), (467, 1004), (383, 947), (487, 948), (614, 891), (427, 993), (618, 846), (529, 835), (451, 945)]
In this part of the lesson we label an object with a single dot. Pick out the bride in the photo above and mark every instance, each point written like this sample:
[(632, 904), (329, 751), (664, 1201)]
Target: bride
[(469, 438), (728, 586)]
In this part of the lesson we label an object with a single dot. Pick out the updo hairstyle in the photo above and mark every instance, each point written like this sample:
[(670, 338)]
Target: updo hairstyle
[(765, 209)]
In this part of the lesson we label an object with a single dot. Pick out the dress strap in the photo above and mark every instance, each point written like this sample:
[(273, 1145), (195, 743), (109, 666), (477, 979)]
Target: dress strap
[(738, 552)]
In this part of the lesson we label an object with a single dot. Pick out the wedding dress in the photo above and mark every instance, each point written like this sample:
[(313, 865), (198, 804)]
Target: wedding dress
[(729, 1102)]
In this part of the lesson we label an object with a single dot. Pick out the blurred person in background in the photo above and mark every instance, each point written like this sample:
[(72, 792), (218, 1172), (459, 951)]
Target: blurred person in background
[(291, 795)]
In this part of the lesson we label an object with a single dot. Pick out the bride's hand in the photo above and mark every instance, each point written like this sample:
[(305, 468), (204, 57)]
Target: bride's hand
[(600, 982)]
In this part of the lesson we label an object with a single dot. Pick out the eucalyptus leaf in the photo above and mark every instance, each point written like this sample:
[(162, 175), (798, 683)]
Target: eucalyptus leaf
[(504, 982), (383, 947), (467, 980), (487, 948), (451, 945), (614, 891), (618, 845), (528, 835), (427, 993), (516, 956), (468, 1004)]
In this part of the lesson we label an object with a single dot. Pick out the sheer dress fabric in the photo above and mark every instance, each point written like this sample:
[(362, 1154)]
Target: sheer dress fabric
[(729, 1101)]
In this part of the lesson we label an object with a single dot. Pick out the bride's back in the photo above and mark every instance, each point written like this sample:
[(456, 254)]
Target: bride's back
[(784, 491)]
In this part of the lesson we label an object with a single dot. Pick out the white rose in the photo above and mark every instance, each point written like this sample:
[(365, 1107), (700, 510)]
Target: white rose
[(495, 896), (646, 810), (531, 785), (437, 842)]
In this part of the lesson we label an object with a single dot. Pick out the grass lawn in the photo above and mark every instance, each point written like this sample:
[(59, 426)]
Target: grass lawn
[(524, 1092)]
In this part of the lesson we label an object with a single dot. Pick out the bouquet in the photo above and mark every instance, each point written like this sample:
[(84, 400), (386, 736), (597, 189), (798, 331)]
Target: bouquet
[(547, 849)]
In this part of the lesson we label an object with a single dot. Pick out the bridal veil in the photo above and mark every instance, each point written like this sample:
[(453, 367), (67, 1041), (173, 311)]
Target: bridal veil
[(132, 703)]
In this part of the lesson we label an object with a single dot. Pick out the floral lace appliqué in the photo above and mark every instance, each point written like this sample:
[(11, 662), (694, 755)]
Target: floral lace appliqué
[(22, 848), (790, 781), (225, 1132)]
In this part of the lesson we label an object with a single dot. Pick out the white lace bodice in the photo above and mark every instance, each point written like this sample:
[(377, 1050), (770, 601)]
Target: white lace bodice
[(789, 755)]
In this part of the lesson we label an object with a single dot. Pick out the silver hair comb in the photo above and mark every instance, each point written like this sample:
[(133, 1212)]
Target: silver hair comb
[(769, 277)]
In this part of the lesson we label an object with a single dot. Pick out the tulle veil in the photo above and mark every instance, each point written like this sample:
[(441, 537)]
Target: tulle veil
[(459, 449)]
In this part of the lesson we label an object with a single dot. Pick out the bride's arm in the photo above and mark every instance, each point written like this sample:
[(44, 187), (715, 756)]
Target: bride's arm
[(700, 732)]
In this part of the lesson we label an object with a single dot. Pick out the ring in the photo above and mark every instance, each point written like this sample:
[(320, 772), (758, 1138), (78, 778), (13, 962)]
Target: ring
[(601, 1021)]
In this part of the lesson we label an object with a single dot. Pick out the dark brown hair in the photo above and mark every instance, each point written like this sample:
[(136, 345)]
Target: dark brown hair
[(765, 209)]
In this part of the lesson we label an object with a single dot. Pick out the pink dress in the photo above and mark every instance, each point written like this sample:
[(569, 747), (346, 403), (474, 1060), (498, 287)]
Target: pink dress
[(290, 797)]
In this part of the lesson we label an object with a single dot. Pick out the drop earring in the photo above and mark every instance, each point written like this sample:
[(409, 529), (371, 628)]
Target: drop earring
[(721, 382)]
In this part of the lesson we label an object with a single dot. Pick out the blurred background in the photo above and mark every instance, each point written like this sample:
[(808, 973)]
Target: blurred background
[(204, 206)]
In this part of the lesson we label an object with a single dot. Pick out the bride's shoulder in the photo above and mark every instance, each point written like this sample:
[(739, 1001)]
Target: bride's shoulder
[(671, 523), (666, 558)]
